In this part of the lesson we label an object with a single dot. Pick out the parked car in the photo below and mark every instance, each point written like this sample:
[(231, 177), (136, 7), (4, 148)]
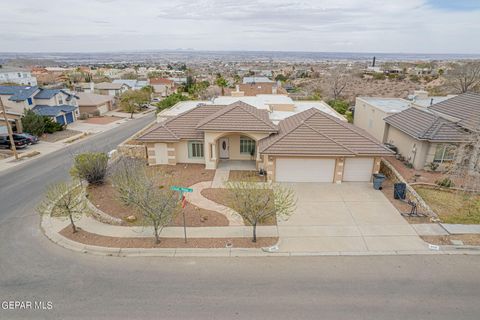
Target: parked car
[(30, 138), (19, 142)]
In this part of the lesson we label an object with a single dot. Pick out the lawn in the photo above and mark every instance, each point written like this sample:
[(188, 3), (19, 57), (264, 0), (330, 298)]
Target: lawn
[(221, 196), (452, 206)]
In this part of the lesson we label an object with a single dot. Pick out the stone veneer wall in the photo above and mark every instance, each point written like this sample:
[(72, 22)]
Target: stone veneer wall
[(388, 170)]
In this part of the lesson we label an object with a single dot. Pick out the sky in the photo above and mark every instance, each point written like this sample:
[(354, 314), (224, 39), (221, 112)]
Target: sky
[(396, 26)]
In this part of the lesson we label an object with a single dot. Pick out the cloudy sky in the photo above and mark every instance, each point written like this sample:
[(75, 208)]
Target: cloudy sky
[(410, 26)]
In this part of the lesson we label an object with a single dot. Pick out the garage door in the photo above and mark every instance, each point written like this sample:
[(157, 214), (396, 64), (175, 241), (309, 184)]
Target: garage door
[(60, 119), (304, 170), (69, 117), (358, 169), (103, 109)]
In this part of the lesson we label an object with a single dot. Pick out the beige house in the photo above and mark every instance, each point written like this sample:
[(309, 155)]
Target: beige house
[(310, 146), (431, 135), (91, 103)]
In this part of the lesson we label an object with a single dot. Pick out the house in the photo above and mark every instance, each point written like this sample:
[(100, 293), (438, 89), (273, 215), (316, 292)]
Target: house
[(370, 111), (17, 75), (250, 80), (42, 101), (15, 120), (309, 146), (92, 103), (132, 84), (253, 89), (162, 86), (431, 135), (111, 89)]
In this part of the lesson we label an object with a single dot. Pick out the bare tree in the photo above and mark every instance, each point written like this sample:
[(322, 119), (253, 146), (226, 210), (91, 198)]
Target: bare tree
[(64, 199), (338, 81), (157, 203), (464, 77), (465, 167), (258, 202)]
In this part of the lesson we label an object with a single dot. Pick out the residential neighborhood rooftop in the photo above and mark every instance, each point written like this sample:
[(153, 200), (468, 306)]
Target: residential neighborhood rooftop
[(388, 105), (18, 93)]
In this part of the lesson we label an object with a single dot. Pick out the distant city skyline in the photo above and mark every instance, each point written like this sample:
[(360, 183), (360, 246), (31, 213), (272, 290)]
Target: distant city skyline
[(407, 26)]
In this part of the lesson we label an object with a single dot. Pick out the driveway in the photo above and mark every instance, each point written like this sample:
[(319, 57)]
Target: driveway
[(347, 217)]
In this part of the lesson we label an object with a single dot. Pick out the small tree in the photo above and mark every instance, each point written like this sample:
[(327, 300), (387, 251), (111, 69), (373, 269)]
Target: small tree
[(64, 199), (33, 123), (132, 100), (158, 204), (338, 82), (90, 166), (257, 202), (341, 106), (222, 83)]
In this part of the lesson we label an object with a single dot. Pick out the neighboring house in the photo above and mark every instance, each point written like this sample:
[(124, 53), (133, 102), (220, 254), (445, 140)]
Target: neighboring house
[(92, 103), (253, 80), (132, 84), (370, 111), (162, 86), (426, 135), (18, 98), (253, 89), (111, 89), (310, 146), (15, 120), (17, 75)]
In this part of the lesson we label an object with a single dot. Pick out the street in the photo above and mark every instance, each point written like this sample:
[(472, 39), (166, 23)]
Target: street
[(90, 287)]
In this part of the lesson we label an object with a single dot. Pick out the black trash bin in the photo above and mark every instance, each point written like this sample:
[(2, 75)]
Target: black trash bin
[(378, 179), (399, 190)]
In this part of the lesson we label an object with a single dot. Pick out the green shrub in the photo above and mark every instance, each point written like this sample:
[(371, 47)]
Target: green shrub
[(170, 101), (52, 126), (379, 76), (341, 106), (90, 166), (433, 166), (445, 182), (33, 123)]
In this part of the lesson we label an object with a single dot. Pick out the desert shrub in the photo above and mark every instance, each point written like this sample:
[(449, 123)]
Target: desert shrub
[(83, 116), (445, 182), (433, 166), (52, 126), (90, 166), (341, 106), (379, 76), (96, 113)]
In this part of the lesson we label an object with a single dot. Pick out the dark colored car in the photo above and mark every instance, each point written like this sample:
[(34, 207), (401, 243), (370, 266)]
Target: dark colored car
[(19, 142), (30, 138)]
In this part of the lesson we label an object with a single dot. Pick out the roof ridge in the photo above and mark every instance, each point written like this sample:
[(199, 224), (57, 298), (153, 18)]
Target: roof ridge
[(213, 116), (279, 137), (268, 123), (328, 137)]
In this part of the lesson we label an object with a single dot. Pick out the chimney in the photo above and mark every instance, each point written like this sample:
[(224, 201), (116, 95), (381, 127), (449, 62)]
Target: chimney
[(431, 102), (237, 88), (92, 87), (373, 62), (274, 89)]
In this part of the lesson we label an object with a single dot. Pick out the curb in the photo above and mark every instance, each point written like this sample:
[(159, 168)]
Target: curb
[(230, 252)]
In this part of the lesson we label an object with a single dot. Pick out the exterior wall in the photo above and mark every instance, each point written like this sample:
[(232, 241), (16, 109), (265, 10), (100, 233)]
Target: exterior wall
[(19, 77), (14, 106), (181, 149), (414, 151), (370, 119), (339, 165)]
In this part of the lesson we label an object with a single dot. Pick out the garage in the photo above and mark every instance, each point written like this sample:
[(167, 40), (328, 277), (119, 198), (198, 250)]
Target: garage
[(357, 169), (304, 170), (69, 117), (161, 153), (60, 119)]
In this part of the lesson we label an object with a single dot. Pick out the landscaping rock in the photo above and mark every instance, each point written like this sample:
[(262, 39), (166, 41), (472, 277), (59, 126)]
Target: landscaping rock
[(131, 218)]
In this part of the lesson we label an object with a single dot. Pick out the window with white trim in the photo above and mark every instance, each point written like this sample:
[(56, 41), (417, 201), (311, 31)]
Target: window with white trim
[(195, 149), (444, 153), (247, 145)]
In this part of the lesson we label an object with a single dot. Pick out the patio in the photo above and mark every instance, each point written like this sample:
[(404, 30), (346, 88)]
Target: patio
[(247, 165)]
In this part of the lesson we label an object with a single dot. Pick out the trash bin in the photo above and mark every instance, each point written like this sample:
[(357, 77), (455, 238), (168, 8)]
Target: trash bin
[(399, 190), (378, 179)]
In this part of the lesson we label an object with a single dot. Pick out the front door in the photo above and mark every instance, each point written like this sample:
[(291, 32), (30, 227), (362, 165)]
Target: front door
[(223, 145)]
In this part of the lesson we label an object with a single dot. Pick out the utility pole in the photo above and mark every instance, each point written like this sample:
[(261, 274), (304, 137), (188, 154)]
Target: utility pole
[(10, 132)]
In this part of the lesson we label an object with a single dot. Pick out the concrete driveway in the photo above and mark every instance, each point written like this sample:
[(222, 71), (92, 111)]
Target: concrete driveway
[(345, 218)]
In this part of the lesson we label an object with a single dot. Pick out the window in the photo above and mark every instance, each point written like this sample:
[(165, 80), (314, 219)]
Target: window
[(60, 99), (247, 145), (444, 152), (195, 149)]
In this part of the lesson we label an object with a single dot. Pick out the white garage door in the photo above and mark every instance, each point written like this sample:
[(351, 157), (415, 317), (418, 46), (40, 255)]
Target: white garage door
[(304, 170), (103, 109), (161, 153), (358, 169)]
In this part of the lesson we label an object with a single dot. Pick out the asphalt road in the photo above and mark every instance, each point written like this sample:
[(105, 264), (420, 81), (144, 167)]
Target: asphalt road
[(89, 287)]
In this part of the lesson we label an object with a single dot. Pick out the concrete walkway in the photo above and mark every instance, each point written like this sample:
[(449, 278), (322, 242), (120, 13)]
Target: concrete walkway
[(221, 176), (197, 199)]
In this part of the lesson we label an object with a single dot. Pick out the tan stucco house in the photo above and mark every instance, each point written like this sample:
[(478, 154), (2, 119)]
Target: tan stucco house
[(92, 103), (310, 146), (425, 135)]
